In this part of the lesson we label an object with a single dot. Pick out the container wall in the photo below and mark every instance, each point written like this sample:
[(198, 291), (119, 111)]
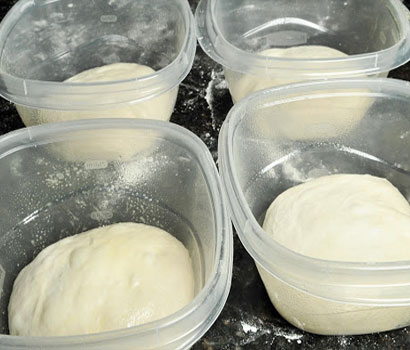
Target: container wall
[(53, 190), (54, 40), (312, 134), (327, 317), (352, 26)]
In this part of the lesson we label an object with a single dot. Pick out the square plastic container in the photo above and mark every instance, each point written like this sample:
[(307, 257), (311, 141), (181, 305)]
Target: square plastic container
[(171, 183), (43, 43), (374, 33), (278, 138)]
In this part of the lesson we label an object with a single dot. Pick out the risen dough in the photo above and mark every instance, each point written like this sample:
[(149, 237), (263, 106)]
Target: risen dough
[(343, 217), (106, 144), (356, 218), (160, 107), (108, 278), (319, 116), (248, 83)]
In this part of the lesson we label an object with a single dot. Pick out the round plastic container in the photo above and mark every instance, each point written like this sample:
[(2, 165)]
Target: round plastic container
[(260, 158), (173, 185), (43, 43), (374, 33)]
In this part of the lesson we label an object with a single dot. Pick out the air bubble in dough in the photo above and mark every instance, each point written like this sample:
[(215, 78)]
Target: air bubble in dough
[(104, 279), (345, 217)]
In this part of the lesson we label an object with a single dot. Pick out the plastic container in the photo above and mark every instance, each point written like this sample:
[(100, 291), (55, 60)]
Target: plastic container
[(173, 185), (43, 43), (374, 33), (259, 159)]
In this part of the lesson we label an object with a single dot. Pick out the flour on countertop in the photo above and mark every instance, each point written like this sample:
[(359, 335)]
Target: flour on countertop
[(248, 328), (290, 336), (217, 82), (251, 328)]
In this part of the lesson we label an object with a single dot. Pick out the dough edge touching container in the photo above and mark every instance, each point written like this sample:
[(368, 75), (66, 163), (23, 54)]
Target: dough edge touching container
[(319, 296), (183, 328)]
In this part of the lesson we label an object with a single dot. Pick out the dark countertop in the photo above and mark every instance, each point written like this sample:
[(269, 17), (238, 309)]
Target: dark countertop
[(248, 321)]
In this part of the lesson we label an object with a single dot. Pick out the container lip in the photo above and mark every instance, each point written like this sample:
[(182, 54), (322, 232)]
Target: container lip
[(27, 92), (305, 272), (214, 43), (216, 289)]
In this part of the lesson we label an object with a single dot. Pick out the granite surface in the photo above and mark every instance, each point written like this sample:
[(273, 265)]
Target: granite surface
[(248, 321)]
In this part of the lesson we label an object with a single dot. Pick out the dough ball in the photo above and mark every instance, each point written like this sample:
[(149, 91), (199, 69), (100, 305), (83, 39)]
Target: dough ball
[(104, 279), (159, 108), (250, 83), (356, 218), (103, 144), (345, 217), (317, 117)]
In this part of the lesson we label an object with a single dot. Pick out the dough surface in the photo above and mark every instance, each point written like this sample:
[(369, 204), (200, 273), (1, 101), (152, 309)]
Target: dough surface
[(318, 117), (106, 144), (342, 217), (108, 278), (250, 83), (159, 108)]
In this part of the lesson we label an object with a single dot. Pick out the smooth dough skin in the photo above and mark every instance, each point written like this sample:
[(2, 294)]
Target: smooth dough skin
[(108, 278), (318, 117), (159, 108), (250, 83), (346, 217), (105, 144), (342, 217)]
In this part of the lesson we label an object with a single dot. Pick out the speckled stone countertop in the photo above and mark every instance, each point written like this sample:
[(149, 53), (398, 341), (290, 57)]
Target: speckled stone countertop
[(248, 321)]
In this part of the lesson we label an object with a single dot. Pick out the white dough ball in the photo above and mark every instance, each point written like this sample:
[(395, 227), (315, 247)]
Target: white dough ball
[(345, 217), (106, 144), (104, 279), (317, 117), (342, 217), (160, 107), (248, 83)]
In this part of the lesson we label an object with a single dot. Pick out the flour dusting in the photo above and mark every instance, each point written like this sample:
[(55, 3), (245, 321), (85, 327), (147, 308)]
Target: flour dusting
[(248, 328), (290, 336), (217, 82), (252, 328)]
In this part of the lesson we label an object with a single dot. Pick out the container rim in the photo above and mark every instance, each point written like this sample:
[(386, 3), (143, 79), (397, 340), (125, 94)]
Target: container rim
[(214, 43), (42, 94), (314, 276), (209, 301)]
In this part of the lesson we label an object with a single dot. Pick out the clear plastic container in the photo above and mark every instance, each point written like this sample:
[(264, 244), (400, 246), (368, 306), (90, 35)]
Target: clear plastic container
[(173, 185), (374, 33), (43, 43), (263, 151)]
